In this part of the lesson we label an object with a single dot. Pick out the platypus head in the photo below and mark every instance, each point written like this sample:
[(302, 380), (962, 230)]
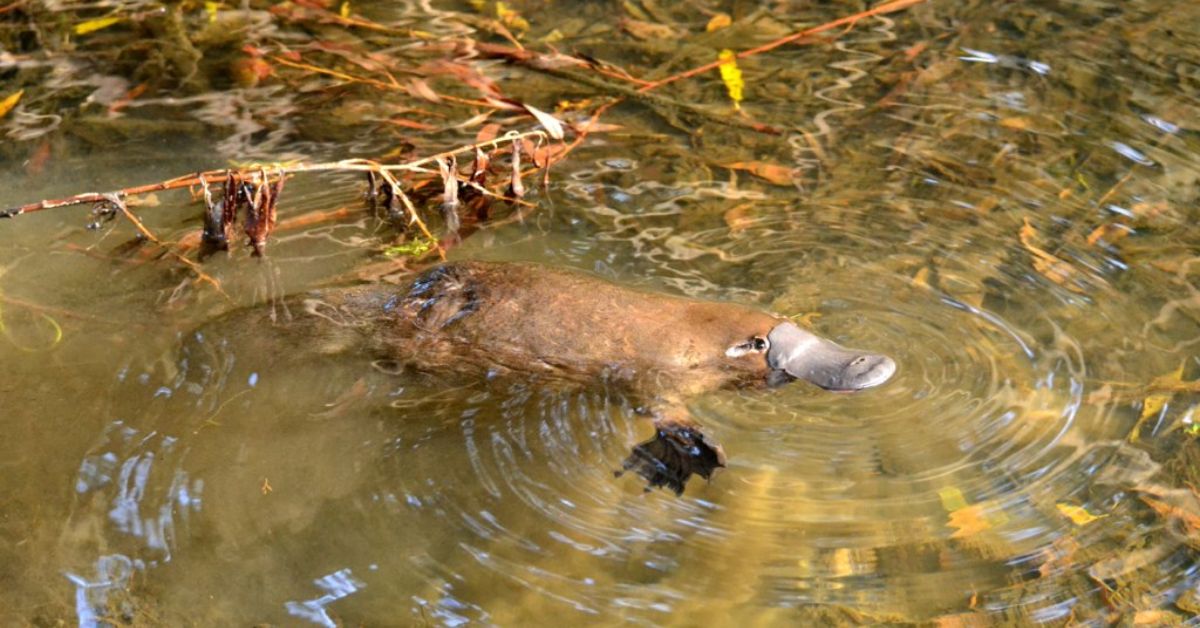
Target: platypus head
[(793, 353)]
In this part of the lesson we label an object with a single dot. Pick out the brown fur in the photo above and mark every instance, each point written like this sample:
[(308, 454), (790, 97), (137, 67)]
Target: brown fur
[(478, 317)]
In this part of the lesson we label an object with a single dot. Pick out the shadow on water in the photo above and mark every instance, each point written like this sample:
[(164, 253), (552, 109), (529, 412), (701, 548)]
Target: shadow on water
[(1002, 197)]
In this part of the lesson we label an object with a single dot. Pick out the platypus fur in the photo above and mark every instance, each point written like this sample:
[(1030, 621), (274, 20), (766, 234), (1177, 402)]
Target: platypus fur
[(482, 318)]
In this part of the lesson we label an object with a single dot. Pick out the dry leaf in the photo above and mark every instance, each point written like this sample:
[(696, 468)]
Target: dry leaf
[(10, 101), (595, 126), (649, 30), (921, 279), (1044, 262), (1157, 618), (1166, 510), (1153, 404), (1110, 233), (1079, 516), (718, 21), (968, 521), (421, 89), (487, 133), (1017, 123), (553, 125), (737, 219), (774, 173)]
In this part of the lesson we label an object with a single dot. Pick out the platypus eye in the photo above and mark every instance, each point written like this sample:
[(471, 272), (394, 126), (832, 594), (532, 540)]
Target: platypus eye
[(757, 344)]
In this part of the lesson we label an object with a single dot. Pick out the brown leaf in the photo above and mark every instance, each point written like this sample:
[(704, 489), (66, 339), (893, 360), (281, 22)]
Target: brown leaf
[(411, 124), (487, 133), (595, 126), (737, 218), (1044, 262), (421, 89), (773, 173), (249, 71), (649, 30)]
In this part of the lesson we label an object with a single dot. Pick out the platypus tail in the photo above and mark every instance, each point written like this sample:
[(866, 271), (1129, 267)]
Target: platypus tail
[(677, 451)]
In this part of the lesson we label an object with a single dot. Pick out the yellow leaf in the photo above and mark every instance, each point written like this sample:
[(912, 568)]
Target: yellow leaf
[(211, 9), (718, 21), (344, 11), (1153, 404), (510, 18), (921, 279), (968, 521), (1077, 515), (952, 498), (10, 101), (89, 26), (731, 75)]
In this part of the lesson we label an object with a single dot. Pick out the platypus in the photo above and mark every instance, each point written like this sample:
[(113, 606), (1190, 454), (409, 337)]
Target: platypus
[(491, 318)]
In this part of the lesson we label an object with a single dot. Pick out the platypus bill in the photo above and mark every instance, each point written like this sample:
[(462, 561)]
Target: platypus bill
[(479, 317)]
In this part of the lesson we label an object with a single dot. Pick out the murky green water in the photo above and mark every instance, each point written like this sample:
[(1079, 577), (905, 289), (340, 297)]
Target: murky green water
[(1001, 196)]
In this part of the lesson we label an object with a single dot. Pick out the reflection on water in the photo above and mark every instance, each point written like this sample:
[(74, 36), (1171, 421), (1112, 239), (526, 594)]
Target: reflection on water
[(1001, 197)]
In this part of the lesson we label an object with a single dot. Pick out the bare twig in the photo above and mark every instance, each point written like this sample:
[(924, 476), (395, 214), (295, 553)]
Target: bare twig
[(849, 21), (217, 176), (200, 274)]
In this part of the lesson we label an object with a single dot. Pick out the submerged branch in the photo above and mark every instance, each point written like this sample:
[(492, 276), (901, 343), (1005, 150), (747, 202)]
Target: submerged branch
[(849, 22)]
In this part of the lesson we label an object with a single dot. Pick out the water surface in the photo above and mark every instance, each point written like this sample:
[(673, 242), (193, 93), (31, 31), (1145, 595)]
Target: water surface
[(1000, 196)]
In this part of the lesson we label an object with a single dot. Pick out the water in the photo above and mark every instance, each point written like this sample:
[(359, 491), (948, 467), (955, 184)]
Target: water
[(1001, 197)]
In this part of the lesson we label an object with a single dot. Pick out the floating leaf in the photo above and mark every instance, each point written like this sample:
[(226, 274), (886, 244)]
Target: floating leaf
[(10, 101), (718, 21), (731, 75), (344, 10), (553, 125), (211, 9), (89, 26), (1079, 516), (779, 175)]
